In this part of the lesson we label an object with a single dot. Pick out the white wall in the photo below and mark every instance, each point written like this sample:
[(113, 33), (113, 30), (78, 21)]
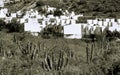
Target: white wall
[(32, 27), (74, 30), (1, 3)]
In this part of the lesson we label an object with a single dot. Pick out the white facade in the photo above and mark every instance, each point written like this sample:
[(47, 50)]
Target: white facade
[(2, 14), (90, 21), (32, 27), (73, 31), (1, 3), (35, 22), (115, 28), (13, 15), (22, 20)]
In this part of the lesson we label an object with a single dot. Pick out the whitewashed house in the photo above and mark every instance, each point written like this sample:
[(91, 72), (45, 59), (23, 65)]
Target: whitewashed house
[(32, 26), (68, 21), (114, 27), (50, 16), (39, 16), (95, 21), (73, 21), (90, 21), (112, 20), (13, 15), (62, 22), (35, 22), (107, 20), (22, 20), (100, 23), (110, 24), (72, 14), (3, 13), (43, 24), (63, 17), (8, 19), (1, 3), (118, 20), (50, 9), (57, 20), (73, 31), (105, 23)]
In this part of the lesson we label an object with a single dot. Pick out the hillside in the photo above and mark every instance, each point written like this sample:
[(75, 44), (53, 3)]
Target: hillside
[(23, 54), (104, 8)]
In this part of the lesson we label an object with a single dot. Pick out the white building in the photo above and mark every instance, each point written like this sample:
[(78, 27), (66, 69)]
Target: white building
[(90, 21), (3, 13), (32, 27), (73, 31), (35, 22), (1, 3)]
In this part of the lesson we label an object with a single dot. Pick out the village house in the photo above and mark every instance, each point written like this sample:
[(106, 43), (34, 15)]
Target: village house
[(32, 26), (34, 22), (3, 13), (1, 3), (72, 31)]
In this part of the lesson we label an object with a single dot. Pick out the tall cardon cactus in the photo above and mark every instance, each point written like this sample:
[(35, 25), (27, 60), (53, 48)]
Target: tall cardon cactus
[(53, 63)]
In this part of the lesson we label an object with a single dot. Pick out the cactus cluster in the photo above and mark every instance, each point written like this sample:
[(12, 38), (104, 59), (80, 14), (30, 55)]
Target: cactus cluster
[(5, 49), (2, 52), (102, 49), (53, 63), (30, 50), (90, 52)]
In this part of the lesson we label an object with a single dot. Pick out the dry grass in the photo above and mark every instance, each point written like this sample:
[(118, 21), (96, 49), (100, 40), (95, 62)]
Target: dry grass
[(23, 54)]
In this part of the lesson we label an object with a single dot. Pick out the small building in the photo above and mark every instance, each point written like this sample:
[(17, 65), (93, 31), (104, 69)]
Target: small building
[(8, 19), (115, 28), (13, 15), (90, 21), (22, 20), (50, 9), (100, 23), (1, 3), (95, 21), (34, 28), (3, 13), (73, 31), (107, 20)]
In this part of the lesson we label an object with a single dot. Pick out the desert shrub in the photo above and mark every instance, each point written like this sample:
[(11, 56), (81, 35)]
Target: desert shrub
[(26, 1), (15, 26), (2, 25), (57, 13), (112, 15), (52, 31), (41, 10), (84, 19), (40, 3)]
